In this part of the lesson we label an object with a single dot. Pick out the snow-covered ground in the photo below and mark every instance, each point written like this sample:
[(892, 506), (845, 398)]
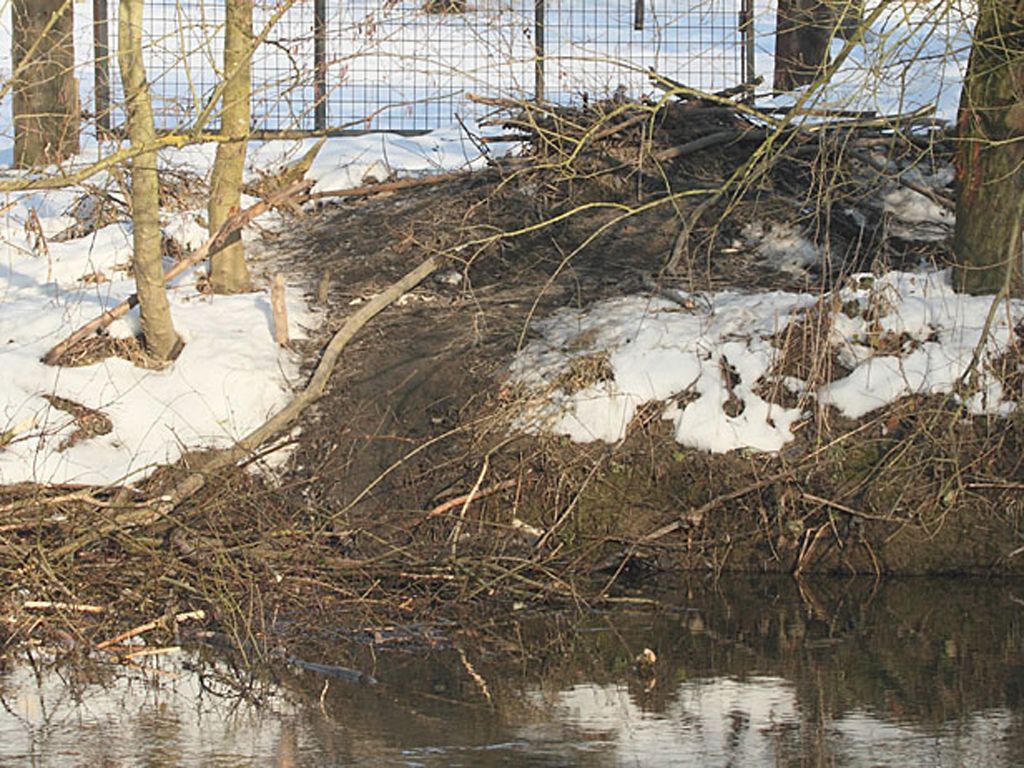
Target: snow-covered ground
[(710, 359), (231, 375), (707, 358)]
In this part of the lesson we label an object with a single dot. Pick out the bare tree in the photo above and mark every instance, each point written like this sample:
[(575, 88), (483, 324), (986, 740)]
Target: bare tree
[(990, 200), (228, 272), (158, 330), (45, 103)]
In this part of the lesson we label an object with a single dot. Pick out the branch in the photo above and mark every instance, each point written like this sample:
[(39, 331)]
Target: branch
[(193, 483)]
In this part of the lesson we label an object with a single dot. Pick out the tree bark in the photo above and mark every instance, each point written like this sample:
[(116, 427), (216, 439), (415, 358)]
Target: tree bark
[(804, 30), (45, 99), (228, 272), (990, 158), (801, 42), (157, 328)]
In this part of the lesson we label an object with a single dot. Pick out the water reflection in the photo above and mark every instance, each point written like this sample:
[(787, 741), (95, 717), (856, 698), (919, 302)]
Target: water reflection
[(747, 673)]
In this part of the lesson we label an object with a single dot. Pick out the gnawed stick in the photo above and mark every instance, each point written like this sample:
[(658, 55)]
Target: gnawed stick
[(314, 390), (279, 310), (229, 227), (458, 501), (48, 605), (150, 625)]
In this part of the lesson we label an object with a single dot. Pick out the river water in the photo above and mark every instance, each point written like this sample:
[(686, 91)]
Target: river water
[(741, 672)]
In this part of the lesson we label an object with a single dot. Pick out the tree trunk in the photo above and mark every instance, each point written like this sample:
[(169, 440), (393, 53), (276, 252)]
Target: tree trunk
[(804, 30), (45, 101), (158, 331), (802, 35), (228, 272), (990, 158)]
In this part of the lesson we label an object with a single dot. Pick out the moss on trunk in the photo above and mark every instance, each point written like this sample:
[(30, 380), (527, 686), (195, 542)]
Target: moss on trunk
[(990, 201), (228, 272)]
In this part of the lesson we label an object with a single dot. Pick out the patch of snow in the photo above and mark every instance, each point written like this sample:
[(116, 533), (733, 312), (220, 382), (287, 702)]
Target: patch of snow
[(937, 330), (715, 355), (706, 366), (915, 208), (782, 245)]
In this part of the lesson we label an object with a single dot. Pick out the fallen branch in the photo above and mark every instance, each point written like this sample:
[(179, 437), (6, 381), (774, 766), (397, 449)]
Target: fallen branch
[(211, 246), (194, 482), (710, 140)]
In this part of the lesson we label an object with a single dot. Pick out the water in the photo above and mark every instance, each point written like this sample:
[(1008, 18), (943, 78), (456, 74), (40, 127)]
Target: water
[(748, 672)]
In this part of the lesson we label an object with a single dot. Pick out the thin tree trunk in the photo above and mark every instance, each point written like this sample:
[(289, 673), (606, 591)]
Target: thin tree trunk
[(990, 161), (228, 272), (802, 35), (157, 328), (45, 101)]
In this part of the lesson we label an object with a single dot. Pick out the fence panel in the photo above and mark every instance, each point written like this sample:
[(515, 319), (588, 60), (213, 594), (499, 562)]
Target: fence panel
[(391, 65)]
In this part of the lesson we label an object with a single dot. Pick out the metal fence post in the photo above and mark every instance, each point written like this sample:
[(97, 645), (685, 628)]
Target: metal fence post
[(101, 64), (747, 30), (320, 64), (539, 19)]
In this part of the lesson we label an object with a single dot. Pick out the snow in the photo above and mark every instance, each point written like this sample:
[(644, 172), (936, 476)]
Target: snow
[(354, 161), (658, 350), (709, 362), (717, 359), (782, 246), (231, 375)]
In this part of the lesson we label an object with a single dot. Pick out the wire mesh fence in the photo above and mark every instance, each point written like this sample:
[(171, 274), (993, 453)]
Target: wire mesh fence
[(409, 65)]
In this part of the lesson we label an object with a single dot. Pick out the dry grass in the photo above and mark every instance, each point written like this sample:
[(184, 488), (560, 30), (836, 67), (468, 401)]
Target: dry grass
[(94, 349)]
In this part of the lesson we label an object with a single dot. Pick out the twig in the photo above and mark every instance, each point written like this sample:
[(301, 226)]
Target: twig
[(389, 186), (47, 605), (466, 498), (696, 517), (810, 541), (811, 498), (543, 540), (457, 529), (151, 652), (148, 626)]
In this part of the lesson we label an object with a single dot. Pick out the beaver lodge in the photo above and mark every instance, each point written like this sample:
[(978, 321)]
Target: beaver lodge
[(635, 338)]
